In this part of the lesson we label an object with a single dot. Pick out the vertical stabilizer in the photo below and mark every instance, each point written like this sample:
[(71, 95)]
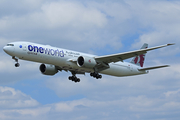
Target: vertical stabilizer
[(139, 60)]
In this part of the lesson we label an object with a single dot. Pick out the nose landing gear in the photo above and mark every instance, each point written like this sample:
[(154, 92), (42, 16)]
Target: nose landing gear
[(17, 65), (16, 59)]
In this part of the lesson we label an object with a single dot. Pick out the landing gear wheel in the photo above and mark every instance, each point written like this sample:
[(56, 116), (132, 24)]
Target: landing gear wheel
[(70, 77), (74, 78), (78, 80), (91, 74), (17, 65), (95, 75)]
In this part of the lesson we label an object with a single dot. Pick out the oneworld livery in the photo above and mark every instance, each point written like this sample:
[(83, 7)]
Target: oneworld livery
[(55, 59)]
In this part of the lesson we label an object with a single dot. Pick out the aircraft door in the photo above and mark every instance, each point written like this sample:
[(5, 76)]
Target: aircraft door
[(24, 47), (130, 67)]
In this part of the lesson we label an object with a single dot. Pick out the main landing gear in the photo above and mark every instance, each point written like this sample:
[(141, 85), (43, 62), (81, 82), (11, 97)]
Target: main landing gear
[(16, 59), (95, 75), (74, 78)]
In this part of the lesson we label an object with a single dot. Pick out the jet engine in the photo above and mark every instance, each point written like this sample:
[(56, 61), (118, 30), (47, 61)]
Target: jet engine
[(47, 69), (86, 62)]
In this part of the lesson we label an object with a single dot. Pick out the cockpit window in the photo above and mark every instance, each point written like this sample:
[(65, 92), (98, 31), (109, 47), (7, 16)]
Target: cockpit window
[(10, 44)]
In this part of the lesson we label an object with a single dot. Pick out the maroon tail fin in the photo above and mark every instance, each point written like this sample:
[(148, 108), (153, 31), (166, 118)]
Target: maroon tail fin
[(139, 60)]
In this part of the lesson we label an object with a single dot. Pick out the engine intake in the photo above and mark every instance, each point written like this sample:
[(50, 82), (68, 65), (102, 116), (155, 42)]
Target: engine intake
[(86, 62), (47, 69)]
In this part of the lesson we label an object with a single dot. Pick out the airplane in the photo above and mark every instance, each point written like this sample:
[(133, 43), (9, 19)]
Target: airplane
[(55, 59)]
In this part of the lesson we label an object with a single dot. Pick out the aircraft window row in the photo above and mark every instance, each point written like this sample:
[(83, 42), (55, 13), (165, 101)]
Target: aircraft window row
[(10, 44)]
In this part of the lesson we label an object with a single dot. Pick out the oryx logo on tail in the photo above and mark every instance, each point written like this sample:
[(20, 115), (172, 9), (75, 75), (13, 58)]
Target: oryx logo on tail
[(139, 60)]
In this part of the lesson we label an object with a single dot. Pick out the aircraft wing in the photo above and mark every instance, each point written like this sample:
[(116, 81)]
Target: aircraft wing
[(126, 55)]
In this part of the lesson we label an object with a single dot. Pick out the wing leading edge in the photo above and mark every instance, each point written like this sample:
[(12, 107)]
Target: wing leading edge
[(126, 55)]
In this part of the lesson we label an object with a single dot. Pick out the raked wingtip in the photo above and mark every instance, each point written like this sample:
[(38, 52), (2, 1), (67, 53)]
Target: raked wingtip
[(170, 44)]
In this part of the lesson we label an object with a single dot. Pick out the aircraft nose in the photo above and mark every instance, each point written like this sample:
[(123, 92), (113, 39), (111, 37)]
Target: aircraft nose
[(5, 49), (8, 50)]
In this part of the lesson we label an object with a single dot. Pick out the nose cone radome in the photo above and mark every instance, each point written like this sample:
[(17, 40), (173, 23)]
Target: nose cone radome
[(8, 50), (5, 49)]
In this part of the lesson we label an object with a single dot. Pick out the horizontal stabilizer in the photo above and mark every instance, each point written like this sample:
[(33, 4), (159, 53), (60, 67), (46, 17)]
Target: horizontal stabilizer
[(151, 68)]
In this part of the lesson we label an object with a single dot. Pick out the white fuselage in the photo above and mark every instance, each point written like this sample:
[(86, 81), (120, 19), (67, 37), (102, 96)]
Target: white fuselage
[(63, 58)]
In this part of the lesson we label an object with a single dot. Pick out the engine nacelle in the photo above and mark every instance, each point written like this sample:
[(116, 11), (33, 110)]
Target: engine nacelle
[(47, 69), (86, 62)]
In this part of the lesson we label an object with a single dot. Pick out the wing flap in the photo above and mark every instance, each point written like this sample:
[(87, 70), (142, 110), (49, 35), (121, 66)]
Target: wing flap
[(151, 68), (126, 55)]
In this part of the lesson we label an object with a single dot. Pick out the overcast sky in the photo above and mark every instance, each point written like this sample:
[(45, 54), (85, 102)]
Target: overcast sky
[(98, 27)]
